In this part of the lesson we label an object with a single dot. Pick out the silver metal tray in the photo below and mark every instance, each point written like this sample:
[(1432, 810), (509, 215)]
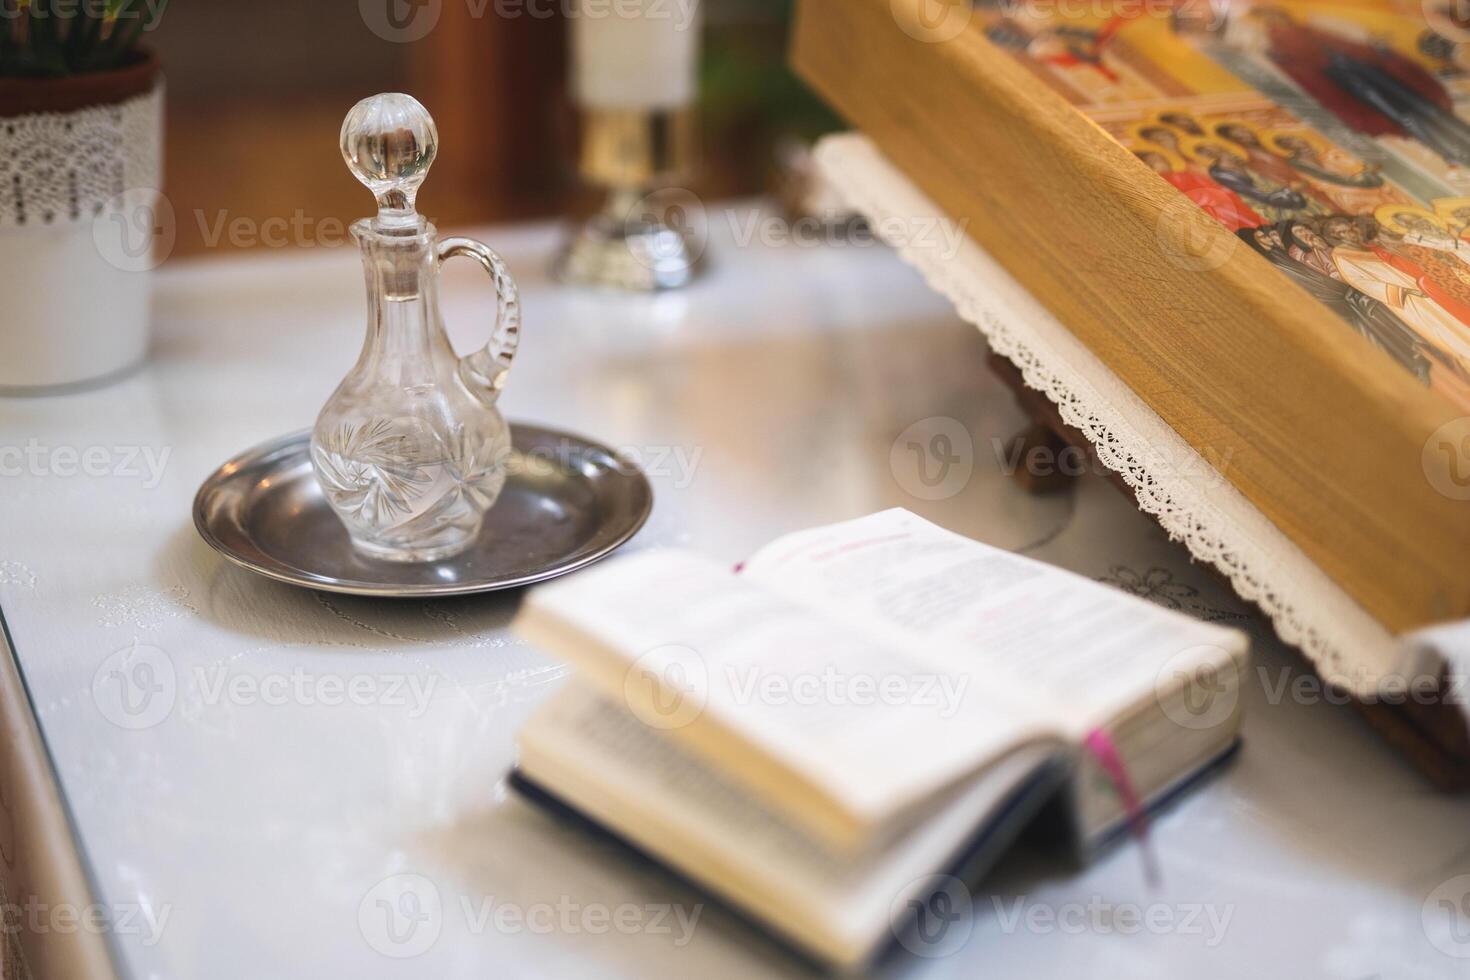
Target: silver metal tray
[(567, 503)]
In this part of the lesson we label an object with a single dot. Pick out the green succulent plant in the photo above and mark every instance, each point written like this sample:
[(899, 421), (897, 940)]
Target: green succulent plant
[(57, 38)]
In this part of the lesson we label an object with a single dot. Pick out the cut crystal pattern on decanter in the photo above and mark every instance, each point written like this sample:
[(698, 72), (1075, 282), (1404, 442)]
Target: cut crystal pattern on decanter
[(372, 472), (410, 450), (406, 483)]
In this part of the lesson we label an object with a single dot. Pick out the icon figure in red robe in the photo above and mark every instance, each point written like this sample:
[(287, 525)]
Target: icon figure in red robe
[(1372, 89), (1225, 206)]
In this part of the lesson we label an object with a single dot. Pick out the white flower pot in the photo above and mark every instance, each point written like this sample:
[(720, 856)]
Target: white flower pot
[(79, 215)]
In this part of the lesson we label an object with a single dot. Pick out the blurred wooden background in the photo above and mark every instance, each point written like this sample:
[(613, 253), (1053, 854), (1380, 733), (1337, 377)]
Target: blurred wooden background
[(257, 92)]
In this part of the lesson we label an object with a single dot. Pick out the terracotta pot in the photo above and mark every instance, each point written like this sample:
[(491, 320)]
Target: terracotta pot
[(80, 215)]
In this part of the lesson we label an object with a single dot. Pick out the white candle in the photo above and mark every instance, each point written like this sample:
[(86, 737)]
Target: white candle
[(635, 54)]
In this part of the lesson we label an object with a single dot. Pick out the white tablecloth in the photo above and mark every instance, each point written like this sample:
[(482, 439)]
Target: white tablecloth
[(234, 799)]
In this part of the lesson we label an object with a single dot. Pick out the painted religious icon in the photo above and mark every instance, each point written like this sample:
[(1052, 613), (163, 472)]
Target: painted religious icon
[(1332, 137), (1370, 87)]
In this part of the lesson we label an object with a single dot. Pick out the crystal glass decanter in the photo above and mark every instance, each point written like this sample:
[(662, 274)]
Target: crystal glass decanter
[(410, 450)]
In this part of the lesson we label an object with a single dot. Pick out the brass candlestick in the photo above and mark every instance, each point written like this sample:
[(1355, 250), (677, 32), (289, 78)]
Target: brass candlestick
[(635, 241)]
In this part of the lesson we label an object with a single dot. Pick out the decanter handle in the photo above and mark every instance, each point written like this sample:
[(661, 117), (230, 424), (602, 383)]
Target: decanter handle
[(487, 369)]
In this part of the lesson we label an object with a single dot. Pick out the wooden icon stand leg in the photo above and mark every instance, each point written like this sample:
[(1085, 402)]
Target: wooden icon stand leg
[(1037, 449), (1432, 735)]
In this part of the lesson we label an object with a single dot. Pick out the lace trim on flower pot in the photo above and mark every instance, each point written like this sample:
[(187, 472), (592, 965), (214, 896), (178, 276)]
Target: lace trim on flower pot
[(60, 168)]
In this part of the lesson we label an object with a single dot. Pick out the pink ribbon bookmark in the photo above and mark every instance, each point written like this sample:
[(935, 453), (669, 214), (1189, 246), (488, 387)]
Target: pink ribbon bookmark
[(1101, 745)]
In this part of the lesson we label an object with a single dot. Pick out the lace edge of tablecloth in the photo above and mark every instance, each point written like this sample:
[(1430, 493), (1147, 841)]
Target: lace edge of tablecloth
[(1214, 520)]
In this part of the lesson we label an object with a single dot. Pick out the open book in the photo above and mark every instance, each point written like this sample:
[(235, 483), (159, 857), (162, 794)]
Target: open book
[(816, 736)]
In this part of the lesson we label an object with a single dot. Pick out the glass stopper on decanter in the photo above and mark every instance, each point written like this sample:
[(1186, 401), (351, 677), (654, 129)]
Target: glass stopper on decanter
[(389, 142)]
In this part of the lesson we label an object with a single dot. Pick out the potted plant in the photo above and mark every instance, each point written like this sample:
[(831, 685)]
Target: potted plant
[(80, 152)]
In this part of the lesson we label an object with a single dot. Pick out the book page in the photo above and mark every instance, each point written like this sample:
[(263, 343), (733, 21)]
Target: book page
[(1090, 647), (638, 782), (768, 688)]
